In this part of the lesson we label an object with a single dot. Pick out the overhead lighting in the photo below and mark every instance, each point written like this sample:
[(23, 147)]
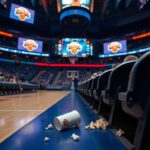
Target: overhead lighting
[(140, 36), (6, 34)]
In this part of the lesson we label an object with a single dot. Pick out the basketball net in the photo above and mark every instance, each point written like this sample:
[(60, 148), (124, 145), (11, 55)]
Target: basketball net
[(73, 60)]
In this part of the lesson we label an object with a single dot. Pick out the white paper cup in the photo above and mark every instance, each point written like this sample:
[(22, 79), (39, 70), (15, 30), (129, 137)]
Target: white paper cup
[(68, 120)]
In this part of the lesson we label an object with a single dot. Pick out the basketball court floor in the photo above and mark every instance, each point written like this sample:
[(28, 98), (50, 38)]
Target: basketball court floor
[(23, 119), (17, 110)]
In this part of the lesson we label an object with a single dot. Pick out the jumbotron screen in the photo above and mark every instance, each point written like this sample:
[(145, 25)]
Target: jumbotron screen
[(69, 47), (30, 45), (88, 4), (23, 14), (115, 47)]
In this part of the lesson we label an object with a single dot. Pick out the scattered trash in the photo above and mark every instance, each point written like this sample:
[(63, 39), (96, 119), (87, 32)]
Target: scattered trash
[(75, 137), (46, 139), (120, 132), (50, 126), (99, 124)]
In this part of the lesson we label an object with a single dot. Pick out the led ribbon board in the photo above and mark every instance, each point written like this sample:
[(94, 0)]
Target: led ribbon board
[(126, 53), (23, 52)]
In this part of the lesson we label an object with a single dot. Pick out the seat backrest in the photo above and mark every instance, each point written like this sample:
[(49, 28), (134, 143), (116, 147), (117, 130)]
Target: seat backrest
[(84, 85), (88, 84), (103, 80), (94, 83), (139, 82), (119, 78)]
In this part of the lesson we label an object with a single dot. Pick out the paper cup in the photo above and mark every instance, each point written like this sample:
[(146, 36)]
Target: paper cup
[(68, 120)]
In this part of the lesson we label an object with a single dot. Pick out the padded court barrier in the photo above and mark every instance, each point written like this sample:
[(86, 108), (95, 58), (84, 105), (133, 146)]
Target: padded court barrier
[(136, 101), (7, 88), (31, 136)]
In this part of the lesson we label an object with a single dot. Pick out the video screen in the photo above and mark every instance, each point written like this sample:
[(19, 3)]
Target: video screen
[(76, 3), (20, 13), (30, 45), (115, 47), (69, 47)]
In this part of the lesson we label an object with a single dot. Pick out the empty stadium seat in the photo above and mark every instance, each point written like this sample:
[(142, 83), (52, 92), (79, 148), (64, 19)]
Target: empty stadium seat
[(7, 88), (92, 88), (101, 85), (136, 101), (118, 81)]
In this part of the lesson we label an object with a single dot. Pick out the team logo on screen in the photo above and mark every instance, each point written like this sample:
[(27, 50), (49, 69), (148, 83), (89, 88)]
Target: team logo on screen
[(22, 13), (75, 2), (30, 45), (114, 47), (74, 47)]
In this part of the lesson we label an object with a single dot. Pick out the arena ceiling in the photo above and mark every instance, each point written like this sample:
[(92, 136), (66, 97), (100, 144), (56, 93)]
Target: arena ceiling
[(108, 19)]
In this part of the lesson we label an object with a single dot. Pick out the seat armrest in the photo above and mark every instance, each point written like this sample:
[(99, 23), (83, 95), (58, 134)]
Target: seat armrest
[(123, 96), (104, 93)]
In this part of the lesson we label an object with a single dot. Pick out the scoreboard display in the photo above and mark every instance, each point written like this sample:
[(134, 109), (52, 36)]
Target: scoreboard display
[(88, 4), (69, 47)]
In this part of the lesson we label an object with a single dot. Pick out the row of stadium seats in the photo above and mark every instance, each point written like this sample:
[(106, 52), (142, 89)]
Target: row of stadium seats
[(58, 87), (122, 96), (7, 88)]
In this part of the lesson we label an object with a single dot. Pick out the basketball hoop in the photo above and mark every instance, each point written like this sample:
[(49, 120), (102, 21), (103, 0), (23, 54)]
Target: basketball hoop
[(73, 60)]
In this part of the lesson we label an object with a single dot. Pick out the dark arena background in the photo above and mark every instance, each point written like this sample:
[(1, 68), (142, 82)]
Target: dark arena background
[(74, 75)]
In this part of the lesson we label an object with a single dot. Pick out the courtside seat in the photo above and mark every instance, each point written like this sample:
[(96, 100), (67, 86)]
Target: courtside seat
[(2, 87), (86, 84), (14, 88), (95, 83), (136, 101), (118, 81), (90, 87), (93, 87), (28, 87), (86, 92), (101, 85), (81, 88)]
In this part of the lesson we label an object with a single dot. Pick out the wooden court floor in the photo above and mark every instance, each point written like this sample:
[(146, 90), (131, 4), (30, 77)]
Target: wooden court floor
[(17, 110)]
